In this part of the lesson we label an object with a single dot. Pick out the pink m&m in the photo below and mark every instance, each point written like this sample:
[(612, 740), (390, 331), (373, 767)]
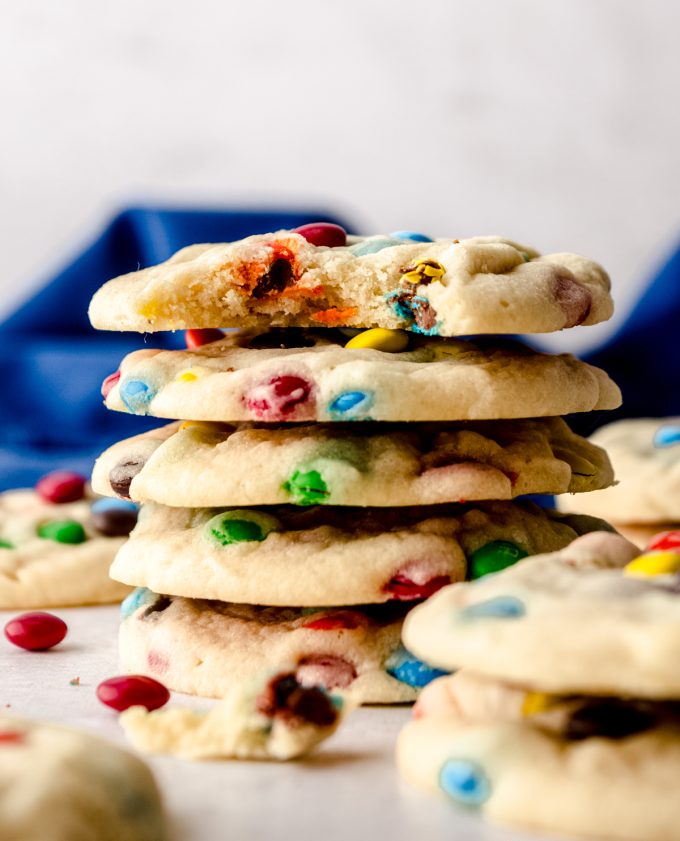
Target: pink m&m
[(36, 631), (323, 233), (196, 338), (109, 383), (61, 486), (126, 691)]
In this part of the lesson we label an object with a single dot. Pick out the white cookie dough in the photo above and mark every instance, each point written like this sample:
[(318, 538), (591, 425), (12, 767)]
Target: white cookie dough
[(447, 287), (59, 784)]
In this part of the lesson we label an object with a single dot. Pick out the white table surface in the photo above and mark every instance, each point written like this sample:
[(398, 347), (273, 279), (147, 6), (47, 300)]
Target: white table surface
[(349, 789)]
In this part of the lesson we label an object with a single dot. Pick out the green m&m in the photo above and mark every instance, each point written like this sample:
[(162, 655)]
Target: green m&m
[(5, 544), (307, 487), (62, 531), (493, 557), (240, 526)]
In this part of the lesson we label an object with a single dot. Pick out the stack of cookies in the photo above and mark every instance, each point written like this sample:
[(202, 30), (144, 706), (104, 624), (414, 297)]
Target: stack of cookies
[(564, 715), (645, 453), (343, 455)]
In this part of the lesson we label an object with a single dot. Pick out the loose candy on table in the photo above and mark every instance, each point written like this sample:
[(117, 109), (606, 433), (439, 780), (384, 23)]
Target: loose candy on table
[(121, 693), (36, 631), (323, 233), (61, 486), (62, 531)]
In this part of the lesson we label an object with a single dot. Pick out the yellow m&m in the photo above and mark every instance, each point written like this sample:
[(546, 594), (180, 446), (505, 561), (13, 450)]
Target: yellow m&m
[(653, 563), (379, 338)]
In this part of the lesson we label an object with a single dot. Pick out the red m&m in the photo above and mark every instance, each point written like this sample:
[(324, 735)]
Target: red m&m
[(36, 631), (61, 486), (126, 691), (196, 338), (323, 233), (665, 540)]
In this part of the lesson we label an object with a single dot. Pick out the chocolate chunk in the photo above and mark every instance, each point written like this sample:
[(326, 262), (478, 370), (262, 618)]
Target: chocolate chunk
[(283, 696), (609, 719), (279, 276), (114, 522), (162, 603), (425, 314), (122, 475)]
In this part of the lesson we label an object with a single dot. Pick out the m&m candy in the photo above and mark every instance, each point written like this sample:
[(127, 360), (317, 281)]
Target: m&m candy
[(36, 631)]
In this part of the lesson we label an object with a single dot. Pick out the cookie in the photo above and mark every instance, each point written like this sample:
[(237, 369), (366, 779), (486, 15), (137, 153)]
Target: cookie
[(62, 784), (645, 454), (199, 464), (244, 378), (279, 718), (447, 287), (596, 768), (208, 648), (58, 554), (594, 619), (328, 556)]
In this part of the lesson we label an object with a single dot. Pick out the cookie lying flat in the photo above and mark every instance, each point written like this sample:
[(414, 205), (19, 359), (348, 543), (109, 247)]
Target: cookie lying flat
[(208, 648), (199, 464), (447, 287), (593, 618), (279, 719), (253, 378), (328, 556), (56, 555), (62, 784), (598, 768), (646, 458)]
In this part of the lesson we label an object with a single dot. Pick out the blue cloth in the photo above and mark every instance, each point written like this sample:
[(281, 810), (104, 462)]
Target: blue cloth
[(640, 356), (52, 362)]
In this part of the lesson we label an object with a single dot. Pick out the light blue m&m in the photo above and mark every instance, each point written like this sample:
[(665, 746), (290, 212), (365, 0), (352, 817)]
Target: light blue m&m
[(465, 782), (372, 246), (406, 668), (667, 435), (351, 405), (136, 395), (100, 506), (414, 236), (137, 598), (500, 607)]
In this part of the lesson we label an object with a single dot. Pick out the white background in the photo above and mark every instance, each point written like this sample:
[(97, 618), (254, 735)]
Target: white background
[(556, 122)]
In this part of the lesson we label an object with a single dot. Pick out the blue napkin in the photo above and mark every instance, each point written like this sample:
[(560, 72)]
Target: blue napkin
[(52, 362)]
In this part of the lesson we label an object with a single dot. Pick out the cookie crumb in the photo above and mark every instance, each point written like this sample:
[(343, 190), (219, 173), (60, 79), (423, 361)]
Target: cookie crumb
[(75, 681)]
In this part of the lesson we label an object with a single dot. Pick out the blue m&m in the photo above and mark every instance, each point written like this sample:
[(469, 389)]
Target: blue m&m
[(403, 666), (500, 607), (465, 782), (136, 395), (414, 236), (667, 435)]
